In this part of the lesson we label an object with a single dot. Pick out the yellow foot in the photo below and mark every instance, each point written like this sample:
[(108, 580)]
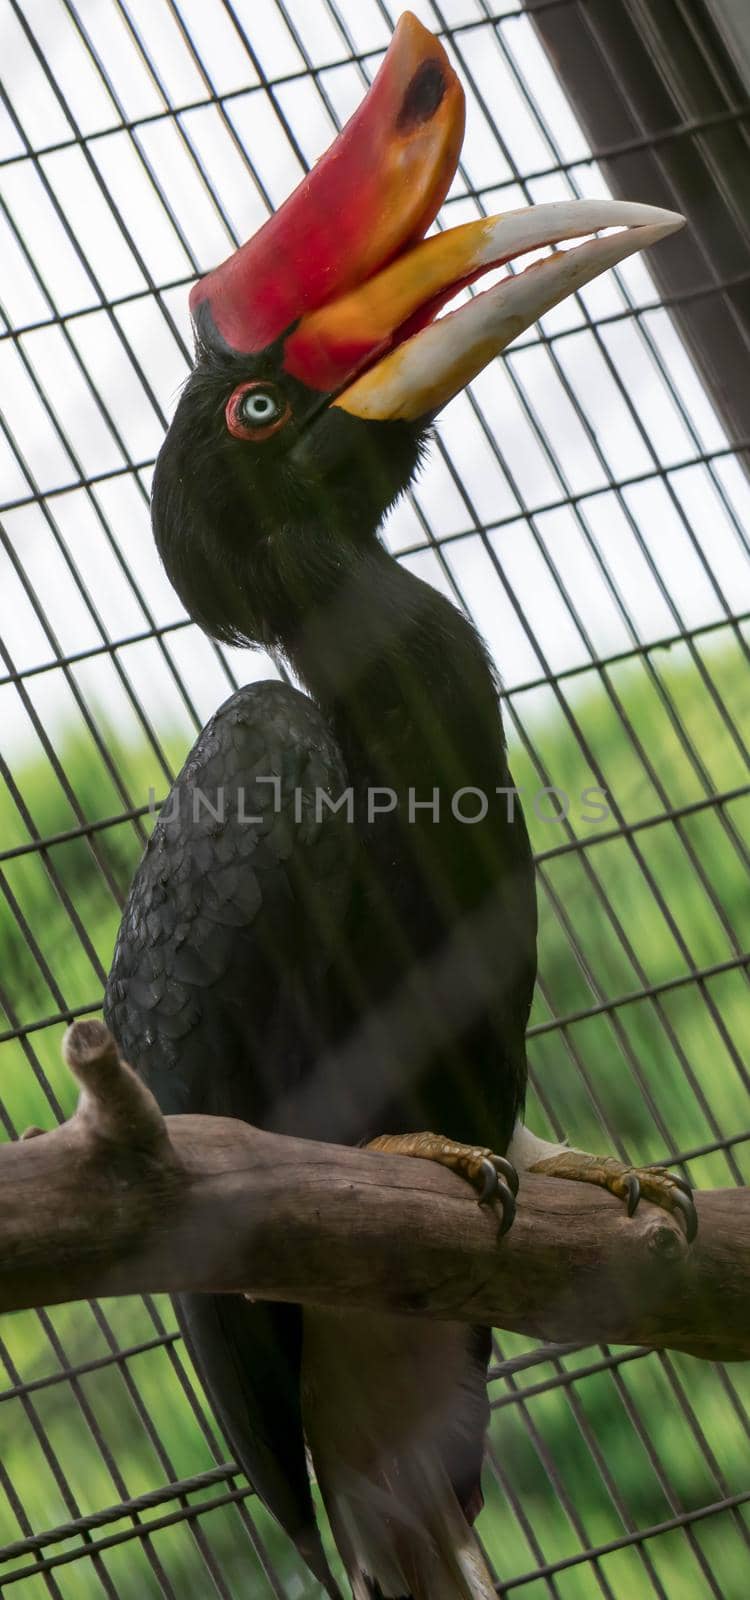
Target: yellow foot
[(493, 1176), (656, 1184)]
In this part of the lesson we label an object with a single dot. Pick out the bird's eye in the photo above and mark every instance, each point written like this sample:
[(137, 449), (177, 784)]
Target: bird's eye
[(256, 410)]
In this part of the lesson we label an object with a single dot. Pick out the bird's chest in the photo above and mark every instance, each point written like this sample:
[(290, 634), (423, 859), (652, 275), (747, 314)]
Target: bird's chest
[(401, 990), (429, 852), (409, 1000), (408, 880)]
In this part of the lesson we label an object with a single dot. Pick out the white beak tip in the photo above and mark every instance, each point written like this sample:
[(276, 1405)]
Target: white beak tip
[(667, 221)]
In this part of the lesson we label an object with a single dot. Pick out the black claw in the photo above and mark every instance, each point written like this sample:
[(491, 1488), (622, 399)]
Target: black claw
[(507, 1171), (495, 1188), (687, 1207), (682, 1184), (508, 1201), (634, 1192), (490, 1181)]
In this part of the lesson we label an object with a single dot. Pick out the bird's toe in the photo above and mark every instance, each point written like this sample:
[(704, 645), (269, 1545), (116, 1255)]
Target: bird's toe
[(631, 1184), (493, 1177)]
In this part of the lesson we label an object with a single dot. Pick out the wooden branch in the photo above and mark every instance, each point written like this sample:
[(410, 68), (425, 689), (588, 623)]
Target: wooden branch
[(120, 1200)]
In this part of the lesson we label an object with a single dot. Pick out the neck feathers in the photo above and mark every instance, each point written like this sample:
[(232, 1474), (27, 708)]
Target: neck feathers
[(402, 673)]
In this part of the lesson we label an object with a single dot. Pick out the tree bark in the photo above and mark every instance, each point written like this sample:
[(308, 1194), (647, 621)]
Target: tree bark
[(120, 1200)]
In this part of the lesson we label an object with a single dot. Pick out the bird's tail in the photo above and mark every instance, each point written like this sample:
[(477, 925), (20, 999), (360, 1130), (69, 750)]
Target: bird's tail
[(442, 1560), (408, 1538), (395, 1411)]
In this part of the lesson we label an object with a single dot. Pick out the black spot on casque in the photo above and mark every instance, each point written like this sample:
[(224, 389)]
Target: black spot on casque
[(423, 95)]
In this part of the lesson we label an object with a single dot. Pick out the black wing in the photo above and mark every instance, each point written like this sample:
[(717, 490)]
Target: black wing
[(213, 997)]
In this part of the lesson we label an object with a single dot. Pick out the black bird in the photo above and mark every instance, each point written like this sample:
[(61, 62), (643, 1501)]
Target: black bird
[(333, 930)]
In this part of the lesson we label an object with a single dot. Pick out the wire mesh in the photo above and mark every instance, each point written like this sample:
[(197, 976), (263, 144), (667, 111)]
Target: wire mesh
[(587, 507)]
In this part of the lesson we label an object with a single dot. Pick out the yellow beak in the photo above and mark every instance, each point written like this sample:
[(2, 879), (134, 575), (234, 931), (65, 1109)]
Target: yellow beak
[(414, 364)]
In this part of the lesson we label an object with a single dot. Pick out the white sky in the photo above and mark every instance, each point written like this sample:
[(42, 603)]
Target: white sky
[(104, 533)]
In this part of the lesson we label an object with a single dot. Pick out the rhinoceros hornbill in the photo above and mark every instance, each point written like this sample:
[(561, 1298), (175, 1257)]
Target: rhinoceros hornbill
[(333, 930)]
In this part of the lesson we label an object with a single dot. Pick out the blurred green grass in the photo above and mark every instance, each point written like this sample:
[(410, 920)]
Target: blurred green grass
[(582, 1462)]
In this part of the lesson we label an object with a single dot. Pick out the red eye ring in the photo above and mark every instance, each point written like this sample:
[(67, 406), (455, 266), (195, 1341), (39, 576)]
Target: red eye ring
[(235, 411)]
